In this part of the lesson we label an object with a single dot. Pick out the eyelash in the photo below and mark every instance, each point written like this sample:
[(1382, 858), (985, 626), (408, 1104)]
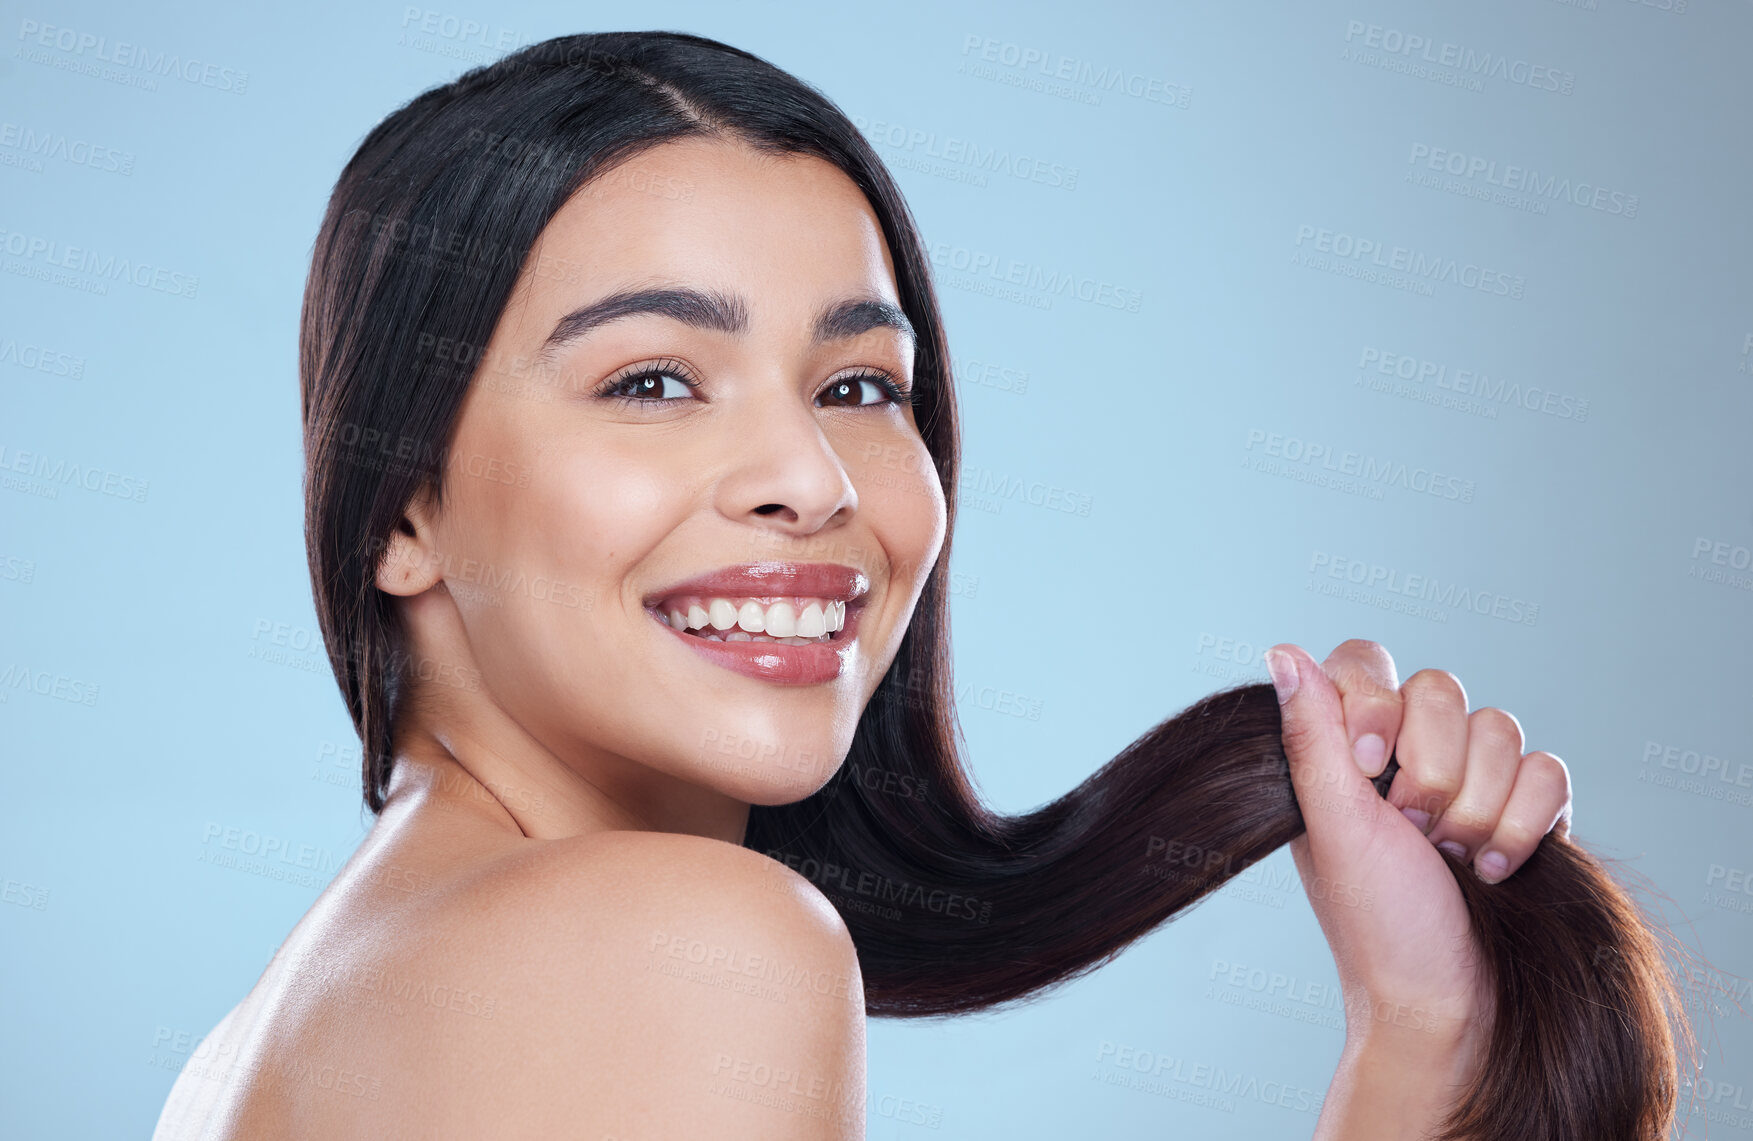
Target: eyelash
[(606, 390)]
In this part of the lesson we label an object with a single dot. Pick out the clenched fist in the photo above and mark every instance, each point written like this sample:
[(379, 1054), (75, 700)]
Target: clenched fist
[(1374, 868)]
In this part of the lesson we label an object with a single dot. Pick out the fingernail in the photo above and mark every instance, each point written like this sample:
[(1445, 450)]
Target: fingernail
[(1454, 848), (1283, 671), (1492, 866), (1369, 751), (1419, 817)]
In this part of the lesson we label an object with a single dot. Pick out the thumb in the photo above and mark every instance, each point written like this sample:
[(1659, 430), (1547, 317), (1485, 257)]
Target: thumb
[(1341, 808)]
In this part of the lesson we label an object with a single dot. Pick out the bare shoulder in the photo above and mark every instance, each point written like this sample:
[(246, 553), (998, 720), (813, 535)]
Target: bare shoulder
[(712, 878), (649, 894), (636, 984)]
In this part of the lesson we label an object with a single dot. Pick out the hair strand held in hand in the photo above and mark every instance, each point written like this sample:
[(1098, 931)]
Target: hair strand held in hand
[(967, 909)]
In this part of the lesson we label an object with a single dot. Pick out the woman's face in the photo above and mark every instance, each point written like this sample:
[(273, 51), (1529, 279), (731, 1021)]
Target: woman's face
[(728, 408)]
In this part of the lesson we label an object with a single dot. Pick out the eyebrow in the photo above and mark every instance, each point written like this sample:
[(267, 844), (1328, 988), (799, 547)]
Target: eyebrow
[(719, 312)]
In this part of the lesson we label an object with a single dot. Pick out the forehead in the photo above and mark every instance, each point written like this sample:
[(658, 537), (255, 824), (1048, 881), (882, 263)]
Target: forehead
[(717, 214)]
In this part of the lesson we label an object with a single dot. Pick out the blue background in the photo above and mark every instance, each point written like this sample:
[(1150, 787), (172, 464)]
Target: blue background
[(171, 709)]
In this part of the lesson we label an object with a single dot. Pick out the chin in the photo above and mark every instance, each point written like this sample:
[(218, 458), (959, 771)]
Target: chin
[(766, 781)]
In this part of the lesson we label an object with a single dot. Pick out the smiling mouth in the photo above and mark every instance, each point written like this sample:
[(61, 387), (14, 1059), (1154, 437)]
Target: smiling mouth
[(790, 620)]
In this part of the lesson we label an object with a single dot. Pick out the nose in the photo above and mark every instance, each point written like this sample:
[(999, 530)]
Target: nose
[(783, 472)]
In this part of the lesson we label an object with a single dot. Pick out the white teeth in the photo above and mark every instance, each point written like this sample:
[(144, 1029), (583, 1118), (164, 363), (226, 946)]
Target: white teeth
[(781, 620), (793, 621)]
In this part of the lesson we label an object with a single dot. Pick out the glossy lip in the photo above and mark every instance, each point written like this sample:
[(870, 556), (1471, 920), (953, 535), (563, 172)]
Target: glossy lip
[(831, 581), (771, 661)]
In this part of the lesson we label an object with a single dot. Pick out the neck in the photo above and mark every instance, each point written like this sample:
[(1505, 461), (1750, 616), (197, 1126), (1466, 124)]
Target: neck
[(481, 760), (460, 745)]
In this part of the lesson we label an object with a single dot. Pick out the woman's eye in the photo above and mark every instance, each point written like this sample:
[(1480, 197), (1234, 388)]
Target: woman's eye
[(650, 387), (852, 391)]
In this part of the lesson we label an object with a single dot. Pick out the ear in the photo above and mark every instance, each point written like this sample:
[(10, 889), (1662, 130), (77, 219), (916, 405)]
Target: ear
[(412, 563)]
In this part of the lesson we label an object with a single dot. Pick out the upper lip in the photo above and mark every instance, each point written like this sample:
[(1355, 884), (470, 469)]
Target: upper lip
[(829, 581)]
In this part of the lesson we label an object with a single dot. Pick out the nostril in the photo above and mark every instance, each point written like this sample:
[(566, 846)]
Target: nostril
[(769, 508)]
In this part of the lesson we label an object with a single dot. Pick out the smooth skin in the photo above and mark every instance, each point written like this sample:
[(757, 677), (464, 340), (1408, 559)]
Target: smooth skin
[(551, 930)]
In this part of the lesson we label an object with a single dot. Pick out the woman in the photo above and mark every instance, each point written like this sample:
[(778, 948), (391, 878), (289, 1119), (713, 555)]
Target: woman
[(631, 458)]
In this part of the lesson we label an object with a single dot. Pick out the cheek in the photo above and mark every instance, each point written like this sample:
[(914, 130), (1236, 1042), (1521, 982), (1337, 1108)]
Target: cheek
[(903, 503), (569, 499), (560, 625), (555, 551), (602, 511)]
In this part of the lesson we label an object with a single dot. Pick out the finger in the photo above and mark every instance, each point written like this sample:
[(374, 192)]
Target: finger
[(1541, 797), (1494, 754), (1432, 749), (1369, 688), (1339, 805)]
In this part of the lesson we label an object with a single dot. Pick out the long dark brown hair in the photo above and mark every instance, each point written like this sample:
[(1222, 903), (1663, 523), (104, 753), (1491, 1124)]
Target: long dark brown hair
[(953, 907)]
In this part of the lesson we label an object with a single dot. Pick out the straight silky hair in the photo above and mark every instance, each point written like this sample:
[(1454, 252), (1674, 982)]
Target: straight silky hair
[(953, 908)]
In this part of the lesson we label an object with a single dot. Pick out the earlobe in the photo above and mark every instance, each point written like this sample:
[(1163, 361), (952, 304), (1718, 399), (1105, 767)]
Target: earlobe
[(410, 564)]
